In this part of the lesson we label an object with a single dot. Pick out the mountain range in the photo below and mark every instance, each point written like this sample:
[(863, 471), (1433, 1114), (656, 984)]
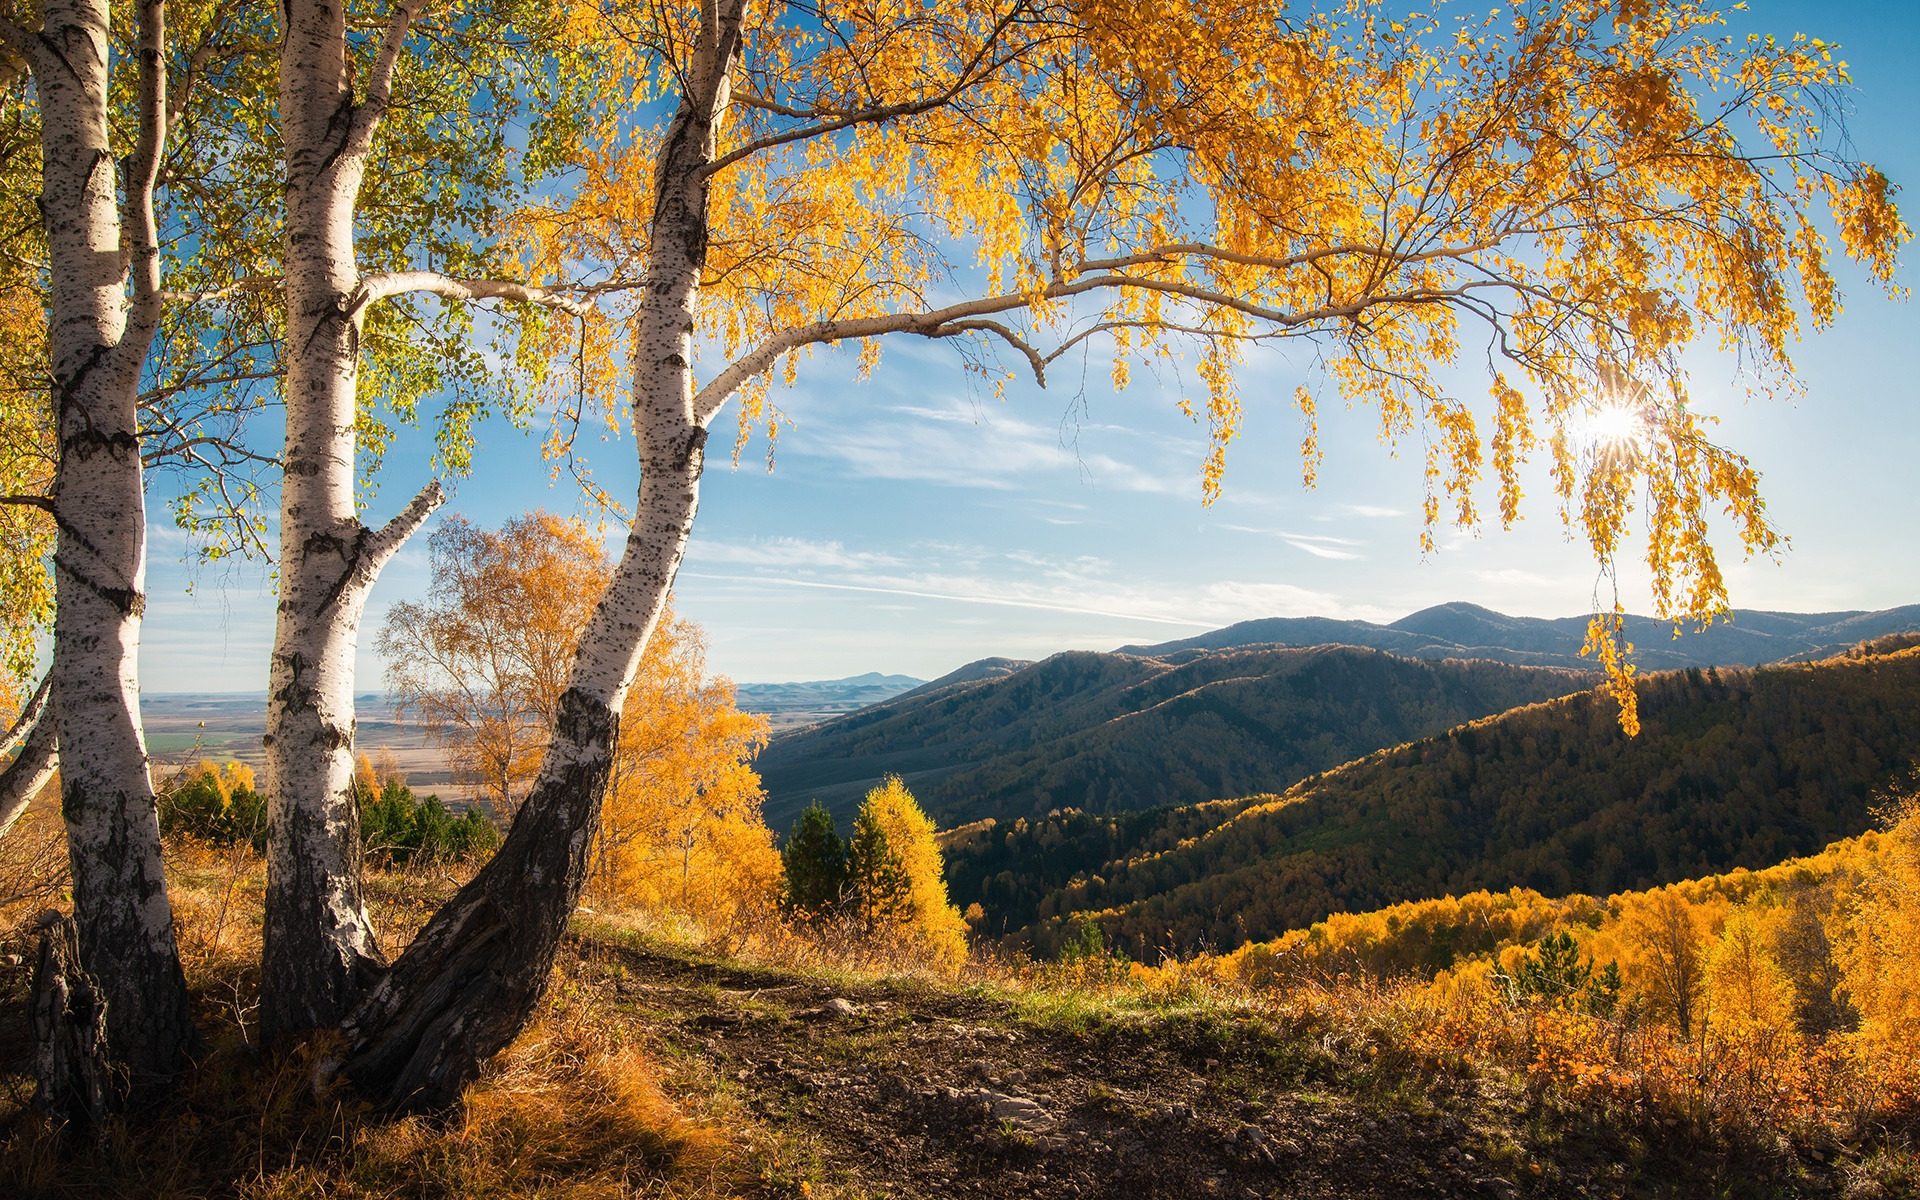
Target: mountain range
[(1118, 732), (1235, 711), (789, 704), (1749, 638)]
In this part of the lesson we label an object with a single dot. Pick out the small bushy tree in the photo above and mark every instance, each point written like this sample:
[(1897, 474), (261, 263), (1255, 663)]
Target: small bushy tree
[(398, 828), (898, 879), (216, 803)]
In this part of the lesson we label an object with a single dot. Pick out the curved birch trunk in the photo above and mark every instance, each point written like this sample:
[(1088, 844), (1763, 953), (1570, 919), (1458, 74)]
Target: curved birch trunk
[(32, 744), (98, 346), (319, 943), (469, 982)]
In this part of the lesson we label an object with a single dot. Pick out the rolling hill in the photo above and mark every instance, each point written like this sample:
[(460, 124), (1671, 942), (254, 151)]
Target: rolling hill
[(1116, 732), (1733, 768)]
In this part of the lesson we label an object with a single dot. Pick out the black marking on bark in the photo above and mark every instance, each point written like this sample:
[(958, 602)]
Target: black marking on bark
[(355, 556), (696, 442), (47, 41), (128, 602)]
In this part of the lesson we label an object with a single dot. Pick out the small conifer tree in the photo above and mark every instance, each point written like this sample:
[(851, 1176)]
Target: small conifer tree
[(816, 865), (879, 884)]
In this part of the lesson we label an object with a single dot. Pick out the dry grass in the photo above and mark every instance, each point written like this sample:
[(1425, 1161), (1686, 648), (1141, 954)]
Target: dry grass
[(573, 1109)]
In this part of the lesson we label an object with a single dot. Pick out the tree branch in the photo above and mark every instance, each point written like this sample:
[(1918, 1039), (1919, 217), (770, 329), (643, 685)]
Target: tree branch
[(367, 114), (1005, 334), (708, 400), (1173, 250), (41, 502), (18, 40), (976, 67), (374, 288), (247, 284), (143, 170), (32, 737), (382, 545)]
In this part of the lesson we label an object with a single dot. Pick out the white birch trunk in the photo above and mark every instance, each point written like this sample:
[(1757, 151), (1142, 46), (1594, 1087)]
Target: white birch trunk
[(319, 943), (470, 980), (97, 347)]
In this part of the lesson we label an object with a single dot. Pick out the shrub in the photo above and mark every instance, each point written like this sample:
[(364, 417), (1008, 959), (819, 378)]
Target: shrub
[(215, 804), (397, 829)]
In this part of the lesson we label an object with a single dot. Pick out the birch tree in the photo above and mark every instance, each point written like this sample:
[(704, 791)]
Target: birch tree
[(97, 344), (337, 93), (1575, 191)]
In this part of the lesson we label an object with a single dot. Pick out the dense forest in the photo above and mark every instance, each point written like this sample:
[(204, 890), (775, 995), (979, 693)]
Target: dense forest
[(1112, 733), (1733, 768)]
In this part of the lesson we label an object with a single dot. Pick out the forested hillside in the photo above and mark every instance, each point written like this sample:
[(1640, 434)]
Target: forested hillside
[(1733, 768), (1114, 733)]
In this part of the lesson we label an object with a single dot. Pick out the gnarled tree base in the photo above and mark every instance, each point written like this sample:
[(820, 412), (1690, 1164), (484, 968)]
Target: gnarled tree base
[(69, 1014), (469, 982)]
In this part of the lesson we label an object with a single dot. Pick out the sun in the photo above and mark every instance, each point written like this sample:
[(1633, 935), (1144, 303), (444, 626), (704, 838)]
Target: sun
[(1614, 428)]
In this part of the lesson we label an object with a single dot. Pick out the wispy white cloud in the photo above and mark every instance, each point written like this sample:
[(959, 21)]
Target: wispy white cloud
[(1318, 545), (965, 597), (1319, 550), (972, 446), (786, 552)]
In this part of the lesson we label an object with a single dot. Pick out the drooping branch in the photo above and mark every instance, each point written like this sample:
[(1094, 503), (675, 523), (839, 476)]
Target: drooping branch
[(944, 322)]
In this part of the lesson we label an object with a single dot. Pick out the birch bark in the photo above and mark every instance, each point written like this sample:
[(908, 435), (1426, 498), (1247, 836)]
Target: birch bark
[(31, 743), (320, 948), (469, 981), (319, 944), (98, 344)]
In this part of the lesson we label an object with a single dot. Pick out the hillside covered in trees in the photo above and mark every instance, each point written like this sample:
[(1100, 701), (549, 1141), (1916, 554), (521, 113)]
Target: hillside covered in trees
[(1733, 768), (1114, 732)]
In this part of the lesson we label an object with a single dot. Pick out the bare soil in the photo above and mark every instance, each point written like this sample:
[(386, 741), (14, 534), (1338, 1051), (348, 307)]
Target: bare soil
[(905, 1088)]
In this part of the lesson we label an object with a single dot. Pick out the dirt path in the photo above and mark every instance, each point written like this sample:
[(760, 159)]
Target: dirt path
[(910, 1090)]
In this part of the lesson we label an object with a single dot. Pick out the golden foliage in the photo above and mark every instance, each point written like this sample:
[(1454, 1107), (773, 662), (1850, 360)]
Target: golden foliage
[(1758, 997), (1579, 191), (908, 902), (1880, 961), (681, 830), (482, 661)]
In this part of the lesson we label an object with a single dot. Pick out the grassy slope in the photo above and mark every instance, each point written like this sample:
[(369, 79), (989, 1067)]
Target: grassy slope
[(659, 1070)]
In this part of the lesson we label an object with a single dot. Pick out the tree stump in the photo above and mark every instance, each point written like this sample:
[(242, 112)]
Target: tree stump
[(69, 1030)]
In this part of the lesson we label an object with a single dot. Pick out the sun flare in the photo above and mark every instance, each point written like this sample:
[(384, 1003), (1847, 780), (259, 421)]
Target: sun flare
[(1614, 428)]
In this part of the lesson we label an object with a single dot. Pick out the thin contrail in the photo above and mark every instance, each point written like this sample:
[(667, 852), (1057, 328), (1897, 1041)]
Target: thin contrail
[(1001, 600)]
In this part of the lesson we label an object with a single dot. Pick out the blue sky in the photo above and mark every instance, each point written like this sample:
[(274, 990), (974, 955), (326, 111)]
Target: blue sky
[(913, 522)]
